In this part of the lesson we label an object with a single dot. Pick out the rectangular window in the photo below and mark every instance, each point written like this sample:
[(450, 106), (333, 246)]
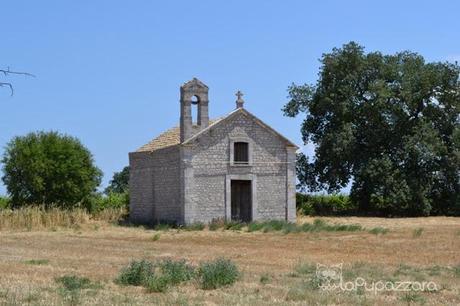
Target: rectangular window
[(241, 153)]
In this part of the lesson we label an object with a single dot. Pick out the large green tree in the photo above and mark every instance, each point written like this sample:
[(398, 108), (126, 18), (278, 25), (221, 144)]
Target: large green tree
[(387, 123), (47, 168)]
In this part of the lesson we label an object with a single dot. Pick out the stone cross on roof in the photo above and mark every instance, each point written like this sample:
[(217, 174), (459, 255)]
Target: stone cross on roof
[(239, 101)]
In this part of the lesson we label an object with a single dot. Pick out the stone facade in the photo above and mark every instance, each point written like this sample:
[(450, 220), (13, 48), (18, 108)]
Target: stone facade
[(185, 174)]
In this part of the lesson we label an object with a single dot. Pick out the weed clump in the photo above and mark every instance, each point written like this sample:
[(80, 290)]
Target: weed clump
[(176, 271), (156, 277), (216, 224), (74, 282), (417, 232), (233, 225), (379, 230), (218, 273), (37, 262), (197, 226), (137, 273)]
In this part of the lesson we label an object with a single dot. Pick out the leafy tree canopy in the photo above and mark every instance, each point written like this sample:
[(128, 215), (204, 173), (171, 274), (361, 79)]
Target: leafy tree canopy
[(49, 168), (389, 124), (119, 183)]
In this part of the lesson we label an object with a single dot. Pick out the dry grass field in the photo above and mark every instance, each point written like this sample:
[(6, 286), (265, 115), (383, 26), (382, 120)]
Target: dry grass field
[(276, 268)]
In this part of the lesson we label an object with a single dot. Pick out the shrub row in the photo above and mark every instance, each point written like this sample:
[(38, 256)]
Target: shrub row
[(161, 275), (318, 225), (99, 202), (325, 205)]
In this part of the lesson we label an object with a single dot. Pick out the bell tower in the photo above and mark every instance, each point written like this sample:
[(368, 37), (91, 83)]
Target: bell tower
[(194, 93)]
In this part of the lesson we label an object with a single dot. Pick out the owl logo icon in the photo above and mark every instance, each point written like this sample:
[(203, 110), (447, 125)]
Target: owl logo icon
[(330, 276)]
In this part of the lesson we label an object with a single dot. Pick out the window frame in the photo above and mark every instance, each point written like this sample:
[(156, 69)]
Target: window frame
[(247, 140), (241, 146)]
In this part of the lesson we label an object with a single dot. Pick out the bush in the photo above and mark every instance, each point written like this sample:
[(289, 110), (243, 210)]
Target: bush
[(47, 168), (218, 273), (157, 284), (324, 205), (137, 273), (4, 202), (156, 277), (176, 271), (99, 201)]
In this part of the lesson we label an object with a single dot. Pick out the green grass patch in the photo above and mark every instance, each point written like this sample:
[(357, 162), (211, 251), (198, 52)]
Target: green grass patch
[(417, 232), (197, 226), (304, 268), (37, 262), (412, 297), (265, 279), (255, 226), (74, 283), (156, 237), (457, 271), (163, 227), (379, 230), (218, 273), (234, 225), (318, 225)]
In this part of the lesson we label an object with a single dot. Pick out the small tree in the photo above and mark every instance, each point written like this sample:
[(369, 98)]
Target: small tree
[(49, 168), (120, 182)]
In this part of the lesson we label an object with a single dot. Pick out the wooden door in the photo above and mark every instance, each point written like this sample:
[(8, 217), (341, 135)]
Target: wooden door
[(241, 199)]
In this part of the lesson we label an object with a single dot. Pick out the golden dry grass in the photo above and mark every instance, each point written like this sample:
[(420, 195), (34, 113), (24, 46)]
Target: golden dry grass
[(98, 250), (38, 218)]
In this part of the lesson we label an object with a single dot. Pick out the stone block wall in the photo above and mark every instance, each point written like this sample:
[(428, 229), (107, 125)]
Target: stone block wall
[(166, 185), (209, 165), (141, 187)]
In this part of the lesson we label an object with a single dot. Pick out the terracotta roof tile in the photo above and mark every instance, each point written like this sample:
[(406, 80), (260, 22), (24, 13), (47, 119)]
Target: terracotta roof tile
[(168, 138)]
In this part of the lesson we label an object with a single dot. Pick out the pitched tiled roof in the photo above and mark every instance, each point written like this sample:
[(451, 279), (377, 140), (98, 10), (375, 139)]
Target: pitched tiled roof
[(172, 136), (168, 138)]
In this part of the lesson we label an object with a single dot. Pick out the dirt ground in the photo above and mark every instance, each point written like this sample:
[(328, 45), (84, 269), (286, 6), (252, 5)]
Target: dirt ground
[(417, 249)]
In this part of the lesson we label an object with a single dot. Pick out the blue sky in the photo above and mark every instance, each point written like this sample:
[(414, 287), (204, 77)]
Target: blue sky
[(108, 72)]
